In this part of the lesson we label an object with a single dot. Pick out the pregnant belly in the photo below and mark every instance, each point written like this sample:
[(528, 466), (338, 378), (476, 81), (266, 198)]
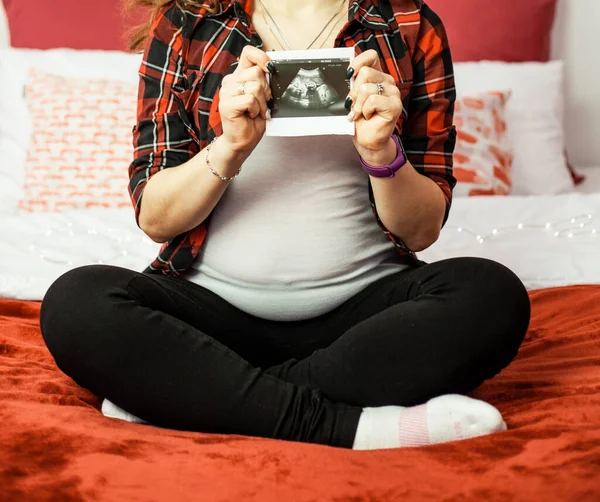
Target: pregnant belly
[(290, 257), (309, 251)]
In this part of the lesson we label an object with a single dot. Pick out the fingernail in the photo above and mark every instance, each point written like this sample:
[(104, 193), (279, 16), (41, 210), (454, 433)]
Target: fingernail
[(348, 103), (349, 73), (271, 67), (268, 114), (271, 103), (350, 116)]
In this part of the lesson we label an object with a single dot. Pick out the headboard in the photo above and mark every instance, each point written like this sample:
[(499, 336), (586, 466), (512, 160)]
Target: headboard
[(576, 39)]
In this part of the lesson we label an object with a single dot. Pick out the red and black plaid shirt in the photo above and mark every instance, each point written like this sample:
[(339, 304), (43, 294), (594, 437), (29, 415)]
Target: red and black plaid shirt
[(190, 51)]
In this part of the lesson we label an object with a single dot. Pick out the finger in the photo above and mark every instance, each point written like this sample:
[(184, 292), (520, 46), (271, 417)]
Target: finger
[(231, 83), (369, 89), (237, 106), (364, 91), (368, 58), (256, 89), (371, 75), (232, 89), (368, 75), (256, 74), (251, 56), (384, 106)]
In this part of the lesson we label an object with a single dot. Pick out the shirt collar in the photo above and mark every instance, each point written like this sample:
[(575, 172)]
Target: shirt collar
[(369, 13)]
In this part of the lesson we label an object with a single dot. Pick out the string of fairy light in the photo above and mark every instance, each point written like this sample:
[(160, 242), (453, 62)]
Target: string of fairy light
[(580, 225), (114, 238), (569, 228)]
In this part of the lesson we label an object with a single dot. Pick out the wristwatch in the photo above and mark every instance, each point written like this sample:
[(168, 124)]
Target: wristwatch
[(388, 171)]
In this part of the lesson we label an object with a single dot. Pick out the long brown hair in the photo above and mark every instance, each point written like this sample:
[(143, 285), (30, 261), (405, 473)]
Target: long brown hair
[(139, 34)]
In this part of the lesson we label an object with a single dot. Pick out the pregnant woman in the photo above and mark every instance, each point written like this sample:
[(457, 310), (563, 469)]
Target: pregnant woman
[(287, 300)]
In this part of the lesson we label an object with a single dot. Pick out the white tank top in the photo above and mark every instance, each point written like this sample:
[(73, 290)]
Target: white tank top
[(294, 236)]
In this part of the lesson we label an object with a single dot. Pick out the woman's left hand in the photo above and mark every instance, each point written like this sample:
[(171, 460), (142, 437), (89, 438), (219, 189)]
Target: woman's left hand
[(375, 115)]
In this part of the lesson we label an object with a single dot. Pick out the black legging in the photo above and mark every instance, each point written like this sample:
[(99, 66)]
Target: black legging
[(179, 356)]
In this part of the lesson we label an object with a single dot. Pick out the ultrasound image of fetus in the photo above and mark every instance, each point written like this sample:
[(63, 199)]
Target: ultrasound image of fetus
[(309, 89)]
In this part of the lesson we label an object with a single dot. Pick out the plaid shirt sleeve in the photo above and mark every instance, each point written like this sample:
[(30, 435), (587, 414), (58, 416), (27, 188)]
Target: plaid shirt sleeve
[(160, 138), (428, 134)]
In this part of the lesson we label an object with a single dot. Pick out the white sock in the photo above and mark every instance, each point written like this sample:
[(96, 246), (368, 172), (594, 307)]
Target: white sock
[(110, 409), (444, 418)]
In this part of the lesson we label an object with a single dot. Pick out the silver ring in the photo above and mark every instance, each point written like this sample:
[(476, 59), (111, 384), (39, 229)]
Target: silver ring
[(240, 89), (379, 89)]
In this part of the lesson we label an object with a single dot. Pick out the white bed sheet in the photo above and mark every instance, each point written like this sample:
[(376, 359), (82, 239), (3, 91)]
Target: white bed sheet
[(538, 257), (37, 248)]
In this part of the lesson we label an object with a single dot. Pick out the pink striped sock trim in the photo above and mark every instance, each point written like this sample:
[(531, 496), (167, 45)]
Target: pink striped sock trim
[(413, 426), (458, 430)]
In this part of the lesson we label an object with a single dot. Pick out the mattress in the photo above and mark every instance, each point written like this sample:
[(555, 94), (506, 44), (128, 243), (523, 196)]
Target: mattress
[(546, 240), (37, 248)]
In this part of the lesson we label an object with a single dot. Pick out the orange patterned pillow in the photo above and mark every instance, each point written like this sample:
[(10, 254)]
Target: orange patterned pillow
[(483, 156), (81, 143)]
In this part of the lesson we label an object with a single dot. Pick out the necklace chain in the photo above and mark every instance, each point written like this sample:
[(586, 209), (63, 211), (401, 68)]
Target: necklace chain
[(282, 35), (270, 29)]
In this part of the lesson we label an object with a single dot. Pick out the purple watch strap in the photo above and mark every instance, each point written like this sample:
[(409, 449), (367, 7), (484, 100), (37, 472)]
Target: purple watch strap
[(388, 171)]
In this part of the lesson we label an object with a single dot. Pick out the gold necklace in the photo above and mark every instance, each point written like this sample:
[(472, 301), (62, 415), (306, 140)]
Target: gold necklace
[(328, 35), (269, 26), (283, 36)]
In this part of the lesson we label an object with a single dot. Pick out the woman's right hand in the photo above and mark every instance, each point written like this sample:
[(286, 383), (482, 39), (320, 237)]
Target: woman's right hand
[(244, 116)]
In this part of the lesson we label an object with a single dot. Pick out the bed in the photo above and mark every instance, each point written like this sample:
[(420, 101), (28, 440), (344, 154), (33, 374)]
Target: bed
[(56, 445)]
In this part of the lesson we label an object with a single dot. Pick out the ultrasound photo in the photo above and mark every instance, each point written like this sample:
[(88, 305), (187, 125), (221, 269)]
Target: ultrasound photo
[(308, 88), (309, 91)]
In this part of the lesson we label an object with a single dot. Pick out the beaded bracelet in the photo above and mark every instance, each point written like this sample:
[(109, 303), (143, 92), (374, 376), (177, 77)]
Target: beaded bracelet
[(223, 178)]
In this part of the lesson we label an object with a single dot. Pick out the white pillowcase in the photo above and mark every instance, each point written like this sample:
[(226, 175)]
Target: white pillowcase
[(15, 124), (535, 119)]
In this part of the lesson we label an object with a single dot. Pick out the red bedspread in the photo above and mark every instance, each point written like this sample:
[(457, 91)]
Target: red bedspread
[(55, 445)]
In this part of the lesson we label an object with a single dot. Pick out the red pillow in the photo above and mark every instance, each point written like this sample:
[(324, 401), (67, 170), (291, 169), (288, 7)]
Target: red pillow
[(76, 24), (497, 30)]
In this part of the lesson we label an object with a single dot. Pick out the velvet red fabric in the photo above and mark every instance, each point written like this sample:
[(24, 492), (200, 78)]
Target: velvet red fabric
[(76, 24), (55, 445), (497, 30)]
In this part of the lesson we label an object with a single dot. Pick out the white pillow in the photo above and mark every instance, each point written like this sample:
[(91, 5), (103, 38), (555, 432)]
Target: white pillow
[(535, 119), (111, 65), (15, 124)]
